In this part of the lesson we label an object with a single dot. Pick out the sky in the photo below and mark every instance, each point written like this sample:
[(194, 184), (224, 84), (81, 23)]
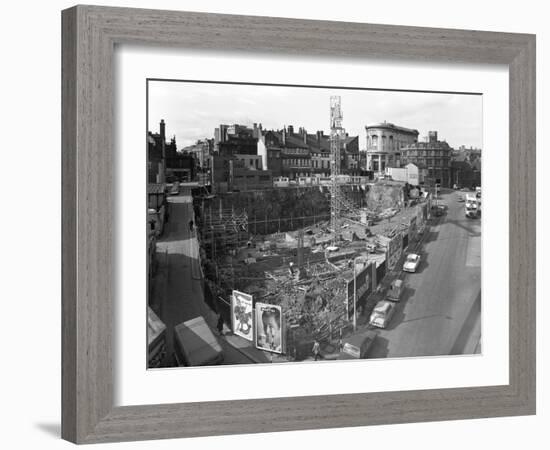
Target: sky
[(192, 110)]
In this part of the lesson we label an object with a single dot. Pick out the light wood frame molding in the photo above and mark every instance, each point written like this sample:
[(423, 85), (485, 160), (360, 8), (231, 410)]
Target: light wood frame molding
[(90, 34)]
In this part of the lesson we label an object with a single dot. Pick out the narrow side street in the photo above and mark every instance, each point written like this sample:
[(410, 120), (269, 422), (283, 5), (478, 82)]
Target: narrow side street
[(178, 293)]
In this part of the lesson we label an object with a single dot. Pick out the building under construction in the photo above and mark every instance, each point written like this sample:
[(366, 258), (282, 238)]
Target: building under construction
[(299, 247)]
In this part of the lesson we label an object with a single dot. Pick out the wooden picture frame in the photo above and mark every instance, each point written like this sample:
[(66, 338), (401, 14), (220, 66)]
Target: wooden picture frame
[(90, 34)]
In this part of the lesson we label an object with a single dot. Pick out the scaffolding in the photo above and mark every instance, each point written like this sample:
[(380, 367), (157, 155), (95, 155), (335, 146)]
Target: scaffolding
[(340, 205), (222, 231), (336, 132)]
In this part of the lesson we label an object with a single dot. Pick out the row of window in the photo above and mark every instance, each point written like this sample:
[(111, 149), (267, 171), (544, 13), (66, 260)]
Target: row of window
[(296, 151), (296, 162), (428, 153), (372, 142), (429, 161)]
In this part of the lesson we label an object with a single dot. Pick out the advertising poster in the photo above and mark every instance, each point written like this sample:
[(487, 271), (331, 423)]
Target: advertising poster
[(241, 315), (420, 215), (395, 248), (269, 328), (363, 286), (412, 230)]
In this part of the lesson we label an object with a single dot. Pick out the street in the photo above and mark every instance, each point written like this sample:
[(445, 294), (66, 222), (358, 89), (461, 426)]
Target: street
[(178, 291), (439, 311)]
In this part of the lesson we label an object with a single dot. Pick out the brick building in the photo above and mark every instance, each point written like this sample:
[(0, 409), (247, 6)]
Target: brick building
[(432, 156)]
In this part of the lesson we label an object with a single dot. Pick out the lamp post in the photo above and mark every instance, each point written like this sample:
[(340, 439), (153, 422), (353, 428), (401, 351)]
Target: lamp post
[(355, 289)]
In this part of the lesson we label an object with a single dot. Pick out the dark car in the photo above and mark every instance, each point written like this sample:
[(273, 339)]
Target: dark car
[(438, 210), (358, 345)]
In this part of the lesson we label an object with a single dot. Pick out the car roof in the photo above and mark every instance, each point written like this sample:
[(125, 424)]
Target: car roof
[(383, 305), (358, 339)]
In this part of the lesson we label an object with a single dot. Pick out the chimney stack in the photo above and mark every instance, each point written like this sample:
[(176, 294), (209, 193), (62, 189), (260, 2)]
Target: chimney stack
[(319, 136), (162, 129), (284, 135), (162, 174), (290, 129)]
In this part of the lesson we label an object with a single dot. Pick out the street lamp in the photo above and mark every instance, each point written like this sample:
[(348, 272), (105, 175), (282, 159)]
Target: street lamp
[(355, 289)]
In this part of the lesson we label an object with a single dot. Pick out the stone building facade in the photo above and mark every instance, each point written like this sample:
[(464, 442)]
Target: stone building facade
[(384, 143)]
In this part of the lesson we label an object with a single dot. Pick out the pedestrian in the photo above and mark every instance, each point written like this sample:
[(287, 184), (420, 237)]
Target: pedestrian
[(191, 226), (316, 350), (340, 345), (220, 324)]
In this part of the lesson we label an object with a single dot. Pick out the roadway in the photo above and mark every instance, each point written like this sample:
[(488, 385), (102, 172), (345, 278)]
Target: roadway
[(178, 287), (440, 307)]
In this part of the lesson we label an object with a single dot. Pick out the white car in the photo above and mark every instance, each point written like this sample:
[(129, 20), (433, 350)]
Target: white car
[(411, 263), (382, 314)]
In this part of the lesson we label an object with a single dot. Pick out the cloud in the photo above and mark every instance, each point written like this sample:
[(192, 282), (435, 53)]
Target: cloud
[(192, 110)]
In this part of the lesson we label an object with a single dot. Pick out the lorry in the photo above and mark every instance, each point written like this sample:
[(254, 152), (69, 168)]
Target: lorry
[(195, 344), (472, 208)]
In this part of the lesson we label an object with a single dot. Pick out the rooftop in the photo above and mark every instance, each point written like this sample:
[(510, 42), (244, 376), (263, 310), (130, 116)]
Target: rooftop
[(391, 126)]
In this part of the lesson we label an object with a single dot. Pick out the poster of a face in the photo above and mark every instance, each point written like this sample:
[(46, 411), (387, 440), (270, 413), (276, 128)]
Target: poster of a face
[(269, 334), (241, 315)]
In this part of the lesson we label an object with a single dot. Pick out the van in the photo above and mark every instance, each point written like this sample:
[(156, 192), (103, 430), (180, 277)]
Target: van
[(195, 344), (358, 345)]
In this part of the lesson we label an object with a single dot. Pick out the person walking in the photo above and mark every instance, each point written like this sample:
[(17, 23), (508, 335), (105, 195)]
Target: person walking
[(190, 226), (316, 350)]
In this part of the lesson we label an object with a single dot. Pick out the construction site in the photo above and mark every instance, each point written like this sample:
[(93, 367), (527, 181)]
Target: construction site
[(302, 247)]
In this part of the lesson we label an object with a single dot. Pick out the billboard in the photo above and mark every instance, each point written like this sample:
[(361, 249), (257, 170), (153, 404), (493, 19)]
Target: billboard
[(420, 215), (363, 285), (393, 253), (241, 315), (269, 328), (412, 230)]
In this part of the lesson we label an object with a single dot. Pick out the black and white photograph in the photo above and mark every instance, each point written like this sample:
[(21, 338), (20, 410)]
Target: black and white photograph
[(311, 224)]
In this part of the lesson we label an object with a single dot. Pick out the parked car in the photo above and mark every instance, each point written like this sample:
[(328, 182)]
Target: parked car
[(438, 210), (394, 292), (411, 263), (358, 345), (382, 314)]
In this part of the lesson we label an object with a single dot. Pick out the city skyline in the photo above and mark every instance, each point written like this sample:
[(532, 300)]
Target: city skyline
[(192, 110)]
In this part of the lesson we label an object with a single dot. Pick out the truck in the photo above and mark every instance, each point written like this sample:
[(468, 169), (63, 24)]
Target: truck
[(195, 344), (472, 208)]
